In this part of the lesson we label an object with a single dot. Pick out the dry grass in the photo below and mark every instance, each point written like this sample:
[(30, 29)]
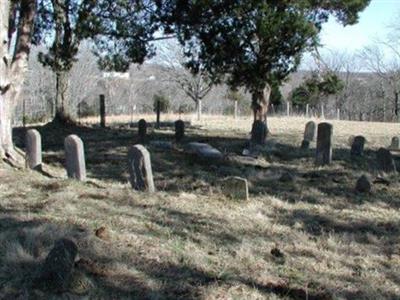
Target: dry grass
[(188, 241)]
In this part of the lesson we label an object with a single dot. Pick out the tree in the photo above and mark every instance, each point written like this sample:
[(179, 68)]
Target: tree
[(195, 85), (252, 43), (315, 88), (16, 27), (119, 30), (387, 69)]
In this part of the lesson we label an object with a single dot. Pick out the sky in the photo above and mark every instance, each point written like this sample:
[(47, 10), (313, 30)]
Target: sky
[(373, 23)]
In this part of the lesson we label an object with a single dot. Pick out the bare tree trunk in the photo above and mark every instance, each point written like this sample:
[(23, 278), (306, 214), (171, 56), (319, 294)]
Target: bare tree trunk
[(15, 37), (63, 107), (198, 106), (260, 104)]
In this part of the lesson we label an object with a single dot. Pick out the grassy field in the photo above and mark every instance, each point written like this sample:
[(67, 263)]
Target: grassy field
[(312, 237)]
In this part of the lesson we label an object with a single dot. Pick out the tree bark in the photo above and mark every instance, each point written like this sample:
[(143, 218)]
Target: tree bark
[(259, 105), (15, 37), (63, 107)]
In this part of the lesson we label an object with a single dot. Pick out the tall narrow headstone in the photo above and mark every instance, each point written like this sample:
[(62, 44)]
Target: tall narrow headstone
[(139, 165), (33, 149), (142, 130), (102, 111), (179, 130), (75, 157), (357, 147), (395, 145), (288, 108), (307, 111), (324, 144), (309, 134), (338, 114), (385, 162)]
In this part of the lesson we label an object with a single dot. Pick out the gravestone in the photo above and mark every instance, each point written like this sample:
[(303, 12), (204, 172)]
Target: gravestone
[(309, 134), (75, 157), (363, 184), (357, 148), (395, 145), (310, 131), (179, 130), (142, 130), (236, 188), (205, 151), (33, 149), (385, 162), (324, 144), (139, 165), (258, 132), (57, 269)]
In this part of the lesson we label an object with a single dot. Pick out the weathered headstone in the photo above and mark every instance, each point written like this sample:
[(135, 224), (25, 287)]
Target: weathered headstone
[(258, 132), (141, 175), (363, 184), (142, 130), (205, 151), (33, 149), (179, 130), (310, 131), (395, 145), (324, 144), (57, 269), (75, 157), (309, 134), (357, 148), (236, 188), (102, 111), (385, 162)]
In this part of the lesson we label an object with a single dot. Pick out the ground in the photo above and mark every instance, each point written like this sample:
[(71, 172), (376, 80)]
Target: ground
[(312, 237)]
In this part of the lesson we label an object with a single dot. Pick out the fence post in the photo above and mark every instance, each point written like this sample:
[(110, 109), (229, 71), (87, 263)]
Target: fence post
[(102, 111)]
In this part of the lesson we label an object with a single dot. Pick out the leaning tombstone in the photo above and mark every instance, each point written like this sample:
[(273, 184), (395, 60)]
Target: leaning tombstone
[(385, 162), (139, 165), (75, 157), (236, 188), (357, 148), (395, 145), (309, 134), (33, 149), (324, 144), (142, 130), (179, 130), (57, 269)]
